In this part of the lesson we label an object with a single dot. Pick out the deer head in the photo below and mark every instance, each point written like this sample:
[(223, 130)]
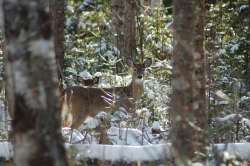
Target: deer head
[(136, 84)]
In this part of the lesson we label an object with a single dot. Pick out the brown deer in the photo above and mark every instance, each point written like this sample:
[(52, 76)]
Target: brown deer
[(79, 102)]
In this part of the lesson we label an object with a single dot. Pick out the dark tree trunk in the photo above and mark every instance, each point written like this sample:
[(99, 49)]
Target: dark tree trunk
[(33, 85), (58, 19), (117, 7), (124, 26), (130, 29), (189, 100), (247, 57)]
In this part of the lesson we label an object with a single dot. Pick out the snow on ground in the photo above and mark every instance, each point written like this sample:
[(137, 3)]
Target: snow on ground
[(241, 150), (123, 152), (126, 136), (72, 136), (77, 137), (118, 136), (6, 150), (135, 153)]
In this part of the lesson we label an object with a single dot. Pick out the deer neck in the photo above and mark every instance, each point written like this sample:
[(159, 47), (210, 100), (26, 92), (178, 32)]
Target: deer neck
[(136, 88)]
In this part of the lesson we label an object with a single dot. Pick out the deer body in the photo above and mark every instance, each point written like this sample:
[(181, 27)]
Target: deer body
[(81, 102)]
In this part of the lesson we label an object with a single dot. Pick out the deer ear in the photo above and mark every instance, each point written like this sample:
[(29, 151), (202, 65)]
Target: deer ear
[(147, 62)]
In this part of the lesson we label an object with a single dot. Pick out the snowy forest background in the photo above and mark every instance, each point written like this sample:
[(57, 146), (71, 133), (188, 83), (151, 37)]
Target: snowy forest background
[(91, 35)]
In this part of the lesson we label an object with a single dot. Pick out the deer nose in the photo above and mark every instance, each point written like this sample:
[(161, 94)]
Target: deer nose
[(140, 76)]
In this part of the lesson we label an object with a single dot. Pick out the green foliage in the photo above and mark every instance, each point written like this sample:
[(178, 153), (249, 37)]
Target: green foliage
[(89, 44), (227, 26), (157, 36), (226, 47)]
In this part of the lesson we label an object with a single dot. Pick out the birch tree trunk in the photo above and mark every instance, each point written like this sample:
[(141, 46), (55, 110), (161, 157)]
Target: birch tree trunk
[(33, 83), (189, 100)]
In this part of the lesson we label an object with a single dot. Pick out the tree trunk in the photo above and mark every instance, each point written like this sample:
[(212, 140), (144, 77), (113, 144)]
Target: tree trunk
[(189, 100), (130, 30), (124, 26), (117, 7), (247, 58), (200, 71), (33, 88), (57, 14)]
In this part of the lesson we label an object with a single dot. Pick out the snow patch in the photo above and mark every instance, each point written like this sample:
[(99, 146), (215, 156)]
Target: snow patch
[(6, 150), (98, 74), (72, 136), (228, 118), (156, 125), (91, 123), (85, 75), (246, 122), (241, 150), (135, 153), (122, 152), (127, 136)]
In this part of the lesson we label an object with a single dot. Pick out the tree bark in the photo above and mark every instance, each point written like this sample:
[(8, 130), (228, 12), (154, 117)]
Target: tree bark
[(200, 72), (130, 30), (124, 26), (189, 100), (247, 57), (58, 19), (117, 8), (33, 88)]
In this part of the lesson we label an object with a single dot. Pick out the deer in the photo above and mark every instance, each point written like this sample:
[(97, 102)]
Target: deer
[(80, 102)]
